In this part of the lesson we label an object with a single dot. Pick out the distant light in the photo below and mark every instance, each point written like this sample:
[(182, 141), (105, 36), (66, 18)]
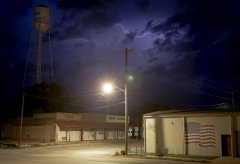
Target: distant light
[(130, 77), (107, 88)]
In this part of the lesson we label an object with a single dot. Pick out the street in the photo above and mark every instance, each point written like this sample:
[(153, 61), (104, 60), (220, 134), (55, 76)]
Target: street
[(84, 153)]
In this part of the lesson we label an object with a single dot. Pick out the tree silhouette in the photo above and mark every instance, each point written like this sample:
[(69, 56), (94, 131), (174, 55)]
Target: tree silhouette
[(45, 98)]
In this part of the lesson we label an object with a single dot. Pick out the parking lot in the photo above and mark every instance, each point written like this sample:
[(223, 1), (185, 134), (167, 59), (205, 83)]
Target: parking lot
[(84, 152)]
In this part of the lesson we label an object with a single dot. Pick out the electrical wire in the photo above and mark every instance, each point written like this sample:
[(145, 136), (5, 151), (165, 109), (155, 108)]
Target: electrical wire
[(207, 94), (107, 106), (224, 86), (210, 86), (111, 99), (54, 97), (86, 107)]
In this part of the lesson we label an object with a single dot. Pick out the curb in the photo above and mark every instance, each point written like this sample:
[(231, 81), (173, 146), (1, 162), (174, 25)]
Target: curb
[(178, 158)]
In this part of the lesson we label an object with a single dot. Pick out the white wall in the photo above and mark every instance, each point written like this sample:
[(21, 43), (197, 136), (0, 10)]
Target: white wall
[(121, 134), (170, 135), (112, 134), (99, 134), (222, 127), (89, 134), (151, 138), (74, 136), (62, 136)]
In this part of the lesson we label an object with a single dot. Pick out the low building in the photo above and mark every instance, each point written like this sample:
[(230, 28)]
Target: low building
[(61, 127), (204, 133)]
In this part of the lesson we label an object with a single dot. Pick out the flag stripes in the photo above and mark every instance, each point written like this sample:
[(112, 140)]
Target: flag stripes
[(203, 135)]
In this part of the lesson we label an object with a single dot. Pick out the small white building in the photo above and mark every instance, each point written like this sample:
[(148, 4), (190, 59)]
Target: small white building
[(205, 133), (60, 127)]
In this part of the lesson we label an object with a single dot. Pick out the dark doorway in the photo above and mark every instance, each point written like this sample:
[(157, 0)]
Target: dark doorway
[(238, 143), (226, 145)]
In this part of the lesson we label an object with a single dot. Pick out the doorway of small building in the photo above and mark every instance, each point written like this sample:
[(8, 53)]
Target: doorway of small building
[(226, 145), (238, 142)]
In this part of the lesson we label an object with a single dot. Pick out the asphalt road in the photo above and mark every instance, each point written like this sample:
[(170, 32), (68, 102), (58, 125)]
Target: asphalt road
[(82, 153)]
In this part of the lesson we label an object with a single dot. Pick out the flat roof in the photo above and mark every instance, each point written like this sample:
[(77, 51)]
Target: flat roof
[(76, 125), (193, 111)]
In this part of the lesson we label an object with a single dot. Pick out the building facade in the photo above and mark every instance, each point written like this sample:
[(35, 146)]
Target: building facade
[(205, 133), (62, 127)]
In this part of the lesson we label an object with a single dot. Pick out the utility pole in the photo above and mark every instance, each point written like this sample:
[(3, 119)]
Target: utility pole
[(21, 122), (233, 98), (126, 99)]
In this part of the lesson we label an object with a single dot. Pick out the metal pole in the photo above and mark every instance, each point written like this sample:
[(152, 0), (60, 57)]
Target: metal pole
[(233, 102), (20, 131), (126, 102), (137, 134), (233, 98)]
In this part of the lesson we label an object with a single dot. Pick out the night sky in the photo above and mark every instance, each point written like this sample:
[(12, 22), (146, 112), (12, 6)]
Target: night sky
[(186, 52)]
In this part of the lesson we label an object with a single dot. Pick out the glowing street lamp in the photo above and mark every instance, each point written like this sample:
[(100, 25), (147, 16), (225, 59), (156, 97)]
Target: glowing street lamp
[(107, 88)]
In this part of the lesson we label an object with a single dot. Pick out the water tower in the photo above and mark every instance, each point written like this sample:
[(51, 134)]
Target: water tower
[(39, 67)]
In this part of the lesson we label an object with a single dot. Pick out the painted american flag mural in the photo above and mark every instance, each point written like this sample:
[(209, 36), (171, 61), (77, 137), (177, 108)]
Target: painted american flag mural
[(203, 135)]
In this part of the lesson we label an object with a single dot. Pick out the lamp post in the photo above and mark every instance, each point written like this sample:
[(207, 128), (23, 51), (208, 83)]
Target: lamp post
[(108, 88), (126, 99)]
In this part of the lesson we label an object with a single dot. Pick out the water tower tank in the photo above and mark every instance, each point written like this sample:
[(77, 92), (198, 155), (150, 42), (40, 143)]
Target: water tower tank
[(41, 18)]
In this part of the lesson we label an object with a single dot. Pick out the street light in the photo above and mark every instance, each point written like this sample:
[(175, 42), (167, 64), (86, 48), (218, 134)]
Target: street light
[(108, 88)]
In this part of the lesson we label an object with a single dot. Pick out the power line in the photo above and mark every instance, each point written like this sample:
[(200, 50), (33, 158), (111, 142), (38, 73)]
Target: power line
[(86, 107), (54, 97), (111, 99), (222, 85), (210, 86), (203, 105), (107, 106), (224, 98)]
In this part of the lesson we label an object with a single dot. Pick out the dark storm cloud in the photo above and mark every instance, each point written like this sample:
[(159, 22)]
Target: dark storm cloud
[(71, 31), (180, 69), (153, 60), (74, 24), (143, 4), (158, 69), (148, 26), (98, 19), (205, 32), (129, 37), (82, 4), (13, 45), (11, 11), (15, 8), (81, 28), (184, 40)]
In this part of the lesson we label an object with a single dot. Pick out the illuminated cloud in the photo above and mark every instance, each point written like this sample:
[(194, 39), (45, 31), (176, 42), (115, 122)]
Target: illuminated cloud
[(174, 41)]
